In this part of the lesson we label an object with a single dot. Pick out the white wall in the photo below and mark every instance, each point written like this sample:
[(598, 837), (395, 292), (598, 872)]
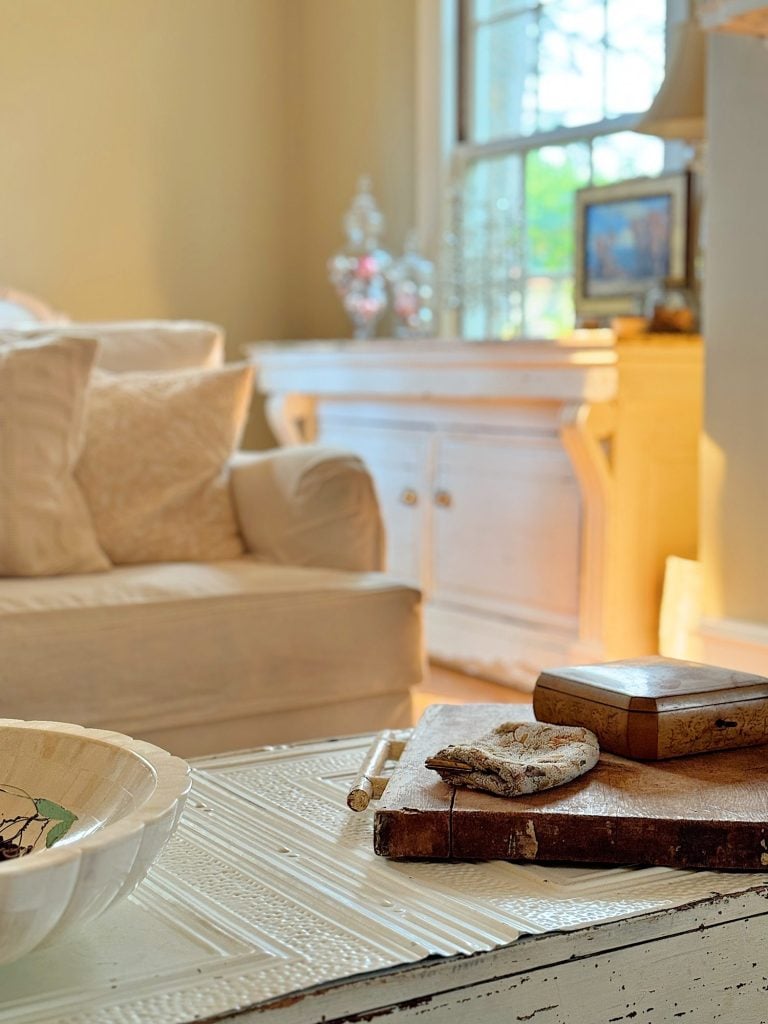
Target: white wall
[(734, 547)]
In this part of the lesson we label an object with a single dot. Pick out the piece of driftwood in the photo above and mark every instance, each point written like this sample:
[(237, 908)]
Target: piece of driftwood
[(652, 708), (703, 811)]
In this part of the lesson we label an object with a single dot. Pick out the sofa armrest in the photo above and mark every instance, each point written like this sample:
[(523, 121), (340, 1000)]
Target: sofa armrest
[(309, 506)]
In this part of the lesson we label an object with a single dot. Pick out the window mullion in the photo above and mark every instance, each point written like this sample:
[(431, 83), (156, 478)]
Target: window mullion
[(524, 244), (556, 137), (538, 64), (496, 19), (466, 104), (605, 45)]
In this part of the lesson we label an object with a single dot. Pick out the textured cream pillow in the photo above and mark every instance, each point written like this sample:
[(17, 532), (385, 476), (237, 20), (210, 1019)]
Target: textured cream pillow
[(154, 463), (133, 345), (45, 527)]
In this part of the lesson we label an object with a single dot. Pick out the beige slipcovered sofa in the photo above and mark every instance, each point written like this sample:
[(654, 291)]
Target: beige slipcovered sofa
[(303, 636)]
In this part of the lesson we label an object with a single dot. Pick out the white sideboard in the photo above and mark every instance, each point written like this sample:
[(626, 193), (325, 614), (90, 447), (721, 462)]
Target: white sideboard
[(533, 490)]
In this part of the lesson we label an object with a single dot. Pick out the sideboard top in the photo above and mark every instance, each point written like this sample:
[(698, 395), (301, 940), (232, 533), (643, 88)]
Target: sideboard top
[(596, 346), (584, 368)]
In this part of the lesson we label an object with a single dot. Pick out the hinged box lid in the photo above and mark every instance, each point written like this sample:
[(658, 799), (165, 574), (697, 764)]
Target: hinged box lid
[(657, 707)]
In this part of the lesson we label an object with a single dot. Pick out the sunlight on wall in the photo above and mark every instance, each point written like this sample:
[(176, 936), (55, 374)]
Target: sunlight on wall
[(693, 589), (713, 484), (681, 610)]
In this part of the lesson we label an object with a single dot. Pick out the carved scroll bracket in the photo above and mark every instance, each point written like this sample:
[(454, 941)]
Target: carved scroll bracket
[(292, 418), (586, 430)]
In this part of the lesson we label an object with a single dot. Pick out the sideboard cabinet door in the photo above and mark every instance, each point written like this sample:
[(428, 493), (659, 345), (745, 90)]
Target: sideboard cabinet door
[(397, 460), (506, 528)]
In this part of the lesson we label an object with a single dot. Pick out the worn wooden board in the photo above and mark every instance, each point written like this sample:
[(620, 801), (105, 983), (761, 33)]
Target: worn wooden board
[(703, 811)]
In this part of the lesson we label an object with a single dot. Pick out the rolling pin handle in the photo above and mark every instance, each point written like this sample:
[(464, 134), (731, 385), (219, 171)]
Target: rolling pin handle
[(370, 783)]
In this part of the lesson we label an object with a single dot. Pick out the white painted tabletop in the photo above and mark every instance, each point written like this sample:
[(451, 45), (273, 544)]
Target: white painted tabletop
[(269, 900)]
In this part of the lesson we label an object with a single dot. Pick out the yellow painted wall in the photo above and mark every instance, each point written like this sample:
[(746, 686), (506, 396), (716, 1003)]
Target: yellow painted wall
[(193, 158), (735, 464), (144, 158), (352, 74)]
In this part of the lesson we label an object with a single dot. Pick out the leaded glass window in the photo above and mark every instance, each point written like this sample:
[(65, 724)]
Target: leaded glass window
[(549, 91)]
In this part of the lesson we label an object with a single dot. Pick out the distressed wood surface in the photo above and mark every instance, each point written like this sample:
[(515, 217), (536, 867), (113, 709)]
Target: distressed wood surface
[(708, 810), (704, 964), (689, 978), (422, 807)]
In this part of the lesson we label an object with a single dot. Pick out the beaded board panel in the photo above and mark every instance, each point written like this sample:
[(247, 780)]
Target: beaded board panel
[(270, 887)]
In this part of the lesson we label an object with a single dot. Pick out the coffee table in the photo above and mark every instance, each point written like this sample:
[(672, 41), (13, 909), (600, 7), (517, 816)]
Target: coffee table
[(269, 905)]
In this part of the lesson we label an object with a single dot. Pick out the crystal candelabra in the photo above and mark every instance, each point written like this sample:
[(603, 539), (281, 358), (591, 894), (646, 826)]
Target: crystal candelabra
[(481, 267), (358, 271), (412, 278)]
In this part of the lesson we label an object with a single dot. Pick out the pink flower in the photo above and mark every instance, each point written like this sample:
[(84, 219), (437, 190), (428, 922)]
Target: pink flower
[(367, 267)]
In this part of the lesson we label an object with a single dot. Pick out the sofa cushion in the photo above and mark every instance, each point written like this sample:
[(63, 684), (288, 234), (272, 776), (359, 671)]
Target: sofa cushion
[(144, 648), (140, 344), (308, 505), (154, 463), (45, 526)]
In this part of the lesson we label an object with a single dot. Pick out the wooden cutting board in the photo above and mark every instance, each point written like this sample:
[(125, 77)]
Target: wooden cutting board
[(702, 811)]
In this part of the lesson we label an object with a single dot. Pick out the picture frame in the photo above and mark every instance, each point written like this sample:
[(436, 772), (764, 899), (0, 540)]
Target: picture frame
[(630, 236)]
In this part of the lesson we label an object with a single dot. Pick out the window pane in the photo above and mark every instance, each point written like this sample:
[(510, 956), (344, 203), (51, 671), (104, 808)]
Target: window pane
[(549, 307), (626, 155), (490, 236), (504, 93), (535, 66), (635, 54), (494, 179), (571, 64), (552, 175), (563, 63)]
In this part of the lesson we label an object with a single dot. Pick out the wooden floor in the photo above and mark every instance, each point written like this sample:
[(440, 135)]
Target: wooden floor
[(446, 686)]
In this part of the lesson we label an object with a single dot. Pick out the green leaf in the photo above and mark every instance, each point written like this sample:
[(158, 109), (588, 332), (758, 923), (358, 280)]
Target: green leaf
[(48, 809), (55, 812), (57, 832)]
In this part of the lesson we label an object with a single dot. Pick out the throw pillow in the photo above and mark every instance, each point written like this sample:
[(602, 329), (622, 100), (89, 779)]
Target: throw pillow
[(154, 463), (140, 344), (45, 526)]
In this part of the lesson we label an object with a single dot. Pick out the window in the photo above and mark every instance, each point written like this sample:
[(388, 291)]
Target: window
[(549, 90)]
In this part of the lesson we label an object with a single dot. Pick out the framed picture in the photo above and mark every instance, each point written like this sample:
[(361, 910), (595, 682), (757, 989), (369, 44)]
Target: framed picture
[(629, 236)]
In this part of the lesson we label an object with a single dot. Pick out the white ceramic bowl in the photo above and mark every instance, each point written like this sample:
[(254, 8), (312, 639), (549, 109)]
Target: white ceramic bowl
[(95, 807)]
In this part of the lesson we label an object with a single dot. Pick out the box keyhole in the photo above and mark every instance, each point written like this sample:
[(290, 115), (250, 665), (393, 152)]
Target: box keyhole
[(723, 723)]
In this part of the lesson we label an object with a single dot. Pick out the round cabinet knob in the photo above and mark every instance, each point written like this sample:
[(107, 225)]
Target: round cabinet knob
[(408, 496), (443, 499)]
